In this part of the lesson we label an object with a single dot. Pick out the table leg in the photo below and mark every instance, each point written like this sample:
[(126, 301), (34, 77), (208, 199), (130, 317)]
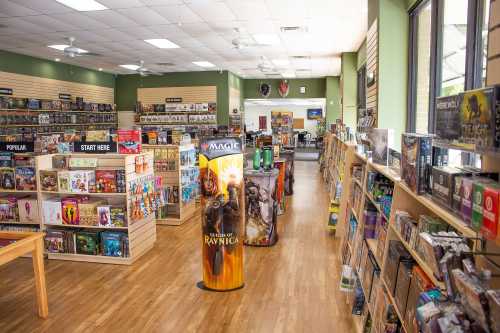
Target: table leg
[(41, 288)]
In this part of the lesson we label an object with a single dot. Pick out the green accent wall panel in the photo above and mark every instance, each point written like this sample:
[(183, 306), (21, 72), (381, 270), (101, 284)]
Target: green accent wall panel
[(393, 66), (126, 88), (27, 65), (349, 88), (333, 111), (315, 88)]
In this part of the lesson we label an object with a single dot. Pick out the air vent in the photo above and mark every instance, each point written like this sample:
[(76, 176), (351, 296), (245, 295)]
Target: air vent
[(301, 57), (303, 70), (272, 75), (165, 64), (293, 29)]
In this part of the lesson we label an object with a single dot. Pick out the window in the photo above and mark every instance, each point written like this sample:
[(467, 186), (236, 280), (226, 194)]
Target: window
[(421, 55), (448, 43), (454, 30)]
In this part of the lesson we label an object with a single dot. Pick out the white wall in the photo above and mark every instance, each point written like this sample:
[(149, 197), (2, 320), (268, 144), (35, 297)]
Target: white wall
[(252, 113)]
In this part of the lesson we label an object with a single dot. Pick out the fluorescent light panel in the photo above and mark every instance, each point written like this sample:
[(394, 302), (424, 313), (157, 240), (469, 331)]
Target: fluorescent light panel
[(61, 47), (205, 64), (281, 62), (266, 39), (288, 75), (162, 43), (83, 5), (131, 67)]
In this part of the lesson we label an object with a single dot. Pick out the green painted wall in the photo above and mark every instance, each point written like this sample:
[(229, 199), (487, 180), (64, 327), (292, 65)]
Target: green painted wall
[(126, 88), (237, 82), (361, 55), (23, 64), (315, 88), (393, 66), (349, 88), (333, 110)]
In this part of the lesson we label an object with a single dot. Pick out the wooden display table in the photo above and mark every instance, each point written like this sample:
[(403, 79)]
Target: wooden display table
[(28, 242)]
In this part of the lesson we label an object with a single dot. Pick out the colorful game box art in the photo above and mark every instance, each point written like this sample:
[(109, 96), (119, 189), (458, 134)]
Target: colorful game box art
[(112, 244), (105, 181), (260, 207), (7, 179), (63, 180), (8, 209), (28, 210), (6, 160), (88, 211), (118, 217), (381, 139), (48, 180), (70, 211), (81, 181), (223, 209), (87, 243), (416, 155), (491, 213), (25, 178), (448, 125), (129, 141), (51, 210), (54, 241), (104, 216)]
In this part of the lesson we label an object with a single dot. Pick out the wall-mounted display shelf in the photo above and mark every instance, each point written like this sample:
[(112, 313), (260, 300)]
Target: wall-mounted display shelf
[(177, 176), (387, 229), (102, 210), (191, 114)]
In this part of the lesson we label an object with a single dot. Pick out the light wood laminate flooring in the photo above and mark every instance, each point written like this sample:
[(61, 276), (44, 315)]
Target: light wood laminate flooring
[(291, 287)]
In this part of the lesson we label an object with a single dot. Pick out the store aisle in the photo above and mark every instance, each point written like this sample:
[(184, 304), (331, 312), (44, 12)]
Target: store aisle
[(291, 287)]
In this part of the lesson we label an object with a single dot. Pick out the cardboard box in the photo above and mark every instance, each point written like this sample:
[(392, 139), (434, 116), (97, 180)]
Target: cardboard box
[(478, 202), (491, 214), (28, 210), (105, 181), (81, 181), (416, 156), (448, 118), (70, 212), (88, 211), (25, 179), (63, 181), (51, 210), (466, 205), (8, 209), (443, 184), (49, 180), (381, 140)]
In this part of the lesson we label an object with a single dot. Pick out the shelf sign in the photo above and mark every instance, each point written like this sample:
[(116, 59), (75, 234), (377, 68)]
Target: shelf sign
[(17, 147), (66, 97), (95, 147), (173, 100), (6, 91)]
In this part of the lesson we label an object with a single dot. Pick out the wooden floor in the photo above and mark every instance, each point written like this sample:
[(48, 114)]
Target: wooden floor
[(291, 287)]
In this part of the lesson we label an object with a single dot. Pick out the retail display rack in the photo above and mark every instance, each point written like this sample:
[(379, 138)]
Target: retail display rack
[(176, 169), (368, 223)]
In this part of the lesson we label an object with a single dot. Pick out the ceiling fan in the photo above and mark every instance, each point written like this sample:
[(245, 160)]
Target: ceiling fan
[(72, 51), (144, 71), (266, 67)]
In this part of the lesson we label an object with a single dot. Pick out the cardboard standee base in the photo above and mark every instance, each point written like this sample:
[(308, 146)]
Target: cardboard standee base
[(202, 286)]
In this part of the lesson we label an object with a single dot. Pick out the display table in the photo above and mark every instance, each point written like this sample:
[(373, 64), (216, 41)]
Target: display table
[(23, 243), (280, 164), (289, 155), (261, 207)]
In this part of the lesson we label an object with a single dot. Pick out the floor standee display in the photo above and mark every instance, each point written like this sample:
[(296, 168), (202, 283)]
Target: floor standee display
[(177, 173), (102, 216)]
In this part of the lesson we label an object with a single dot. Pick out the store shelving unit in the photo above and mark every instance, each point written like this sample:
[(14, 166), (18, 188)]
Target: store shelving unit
[(140, 229), (180, 207), (403, 199)]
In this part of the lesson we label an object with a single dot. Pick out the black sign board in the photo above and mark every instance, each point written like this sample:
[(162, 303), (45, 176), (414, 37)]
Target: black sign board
[(173, 100), (17, 147), (6, 91), (95, 147), (66, 97)]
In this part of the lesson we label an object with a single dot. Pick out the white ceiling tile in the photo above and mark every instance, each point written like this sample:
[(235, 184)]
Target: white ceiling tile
[(112, 18), (197, 29), (80, 21), (113, 35), (43, 6), (141, 32), (249, 10), (177, 14), (162, 2), (10, 8), (87, 36), (113, 4), (212, 10), (49, 23), (144, 16)]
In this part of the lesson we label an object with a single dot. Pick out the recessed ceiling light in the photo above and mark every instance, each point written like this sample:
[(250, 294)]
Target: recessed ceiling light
[(266, 39), (83, 5), (100, 69), (162, 43), (294, 28), (281, 62), (205, 64), (131, 67), (59, 47), (288, 75), (57, 59)]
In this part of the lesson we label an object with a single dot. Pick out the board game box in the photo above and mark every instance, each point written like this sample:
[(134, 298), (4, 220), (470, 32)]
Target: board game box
[(112, 244), (443, 184), (54, 241), (7, 179), (105, 181), (118, 217), (129, 141), (8, 209), (70, 211), (60, 162), (28, 210), (88, 211), (104, 216), (6, 160), (81, 181), (480, 117), (87, 243), (381, 140), (448, 117), (63, 180), (416, 155), (25, 178), (48, 180), (491, 216), (51, 210), (478, 201)]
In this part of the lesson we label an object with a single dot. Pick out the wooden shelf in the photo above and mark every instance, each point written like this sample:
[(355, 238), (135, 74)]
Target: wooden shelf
[(90, 258), (89, 194), (62, 111), (17, 191), (66, 124), (386, 171), (393, 302), (449, 217), (372, 245), (425, 267), (20, 223), (83, 226), (376, 204), (357, 182)]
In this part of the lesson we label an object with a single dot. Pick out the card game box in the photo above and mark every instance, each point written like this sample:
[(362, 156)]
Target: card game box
[(478, 201), (129, 141), (491, 216), (416, 155), (105, 181), (25, 178), (82, 162), (48, 180), (88, 211), (51, 211), (443, 184), (28, 210), (81, 181), (448, 118), (480, 117), (466, 205)]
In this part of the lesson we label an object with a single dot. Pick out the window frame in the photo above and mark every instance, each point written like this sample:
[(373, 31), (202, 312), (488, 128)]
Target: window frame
[(473, 57)]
